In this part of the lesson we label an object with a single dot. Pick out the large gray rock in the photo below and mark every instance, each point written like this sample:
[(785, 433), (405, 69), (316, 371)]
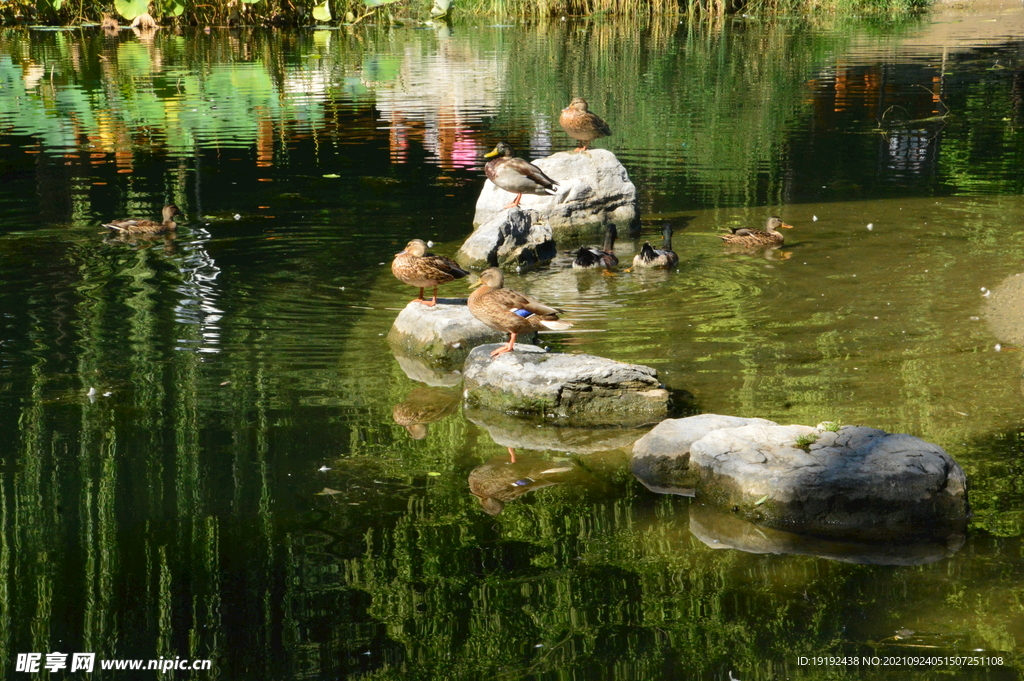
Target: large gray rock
[(440, 336), (594, 188), (661, 458), (810, 478), (578, 389), (511, 240)]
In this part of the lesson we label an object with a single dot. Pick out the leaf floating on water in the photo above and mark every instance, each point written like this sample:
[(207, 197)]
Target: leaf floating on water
[(761, 500), (327, 491), (433, 474), (332, 176)]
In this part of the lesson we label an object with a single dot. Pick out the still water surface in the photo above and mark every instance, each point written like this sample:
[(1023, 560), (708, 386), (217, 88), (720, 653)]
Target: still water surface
[(256, 481)]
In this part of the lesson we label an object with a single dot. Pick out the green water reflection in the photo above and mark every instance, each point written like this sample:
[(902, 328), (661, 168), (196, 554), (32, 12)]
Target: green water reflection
[(255, 480)]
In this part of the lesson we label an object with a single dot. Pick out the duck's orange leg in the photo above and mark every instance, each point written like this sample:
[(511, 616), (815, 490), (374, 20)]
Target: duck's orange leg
[(511, 455), (508, 347), (433, 301), (515, 202)]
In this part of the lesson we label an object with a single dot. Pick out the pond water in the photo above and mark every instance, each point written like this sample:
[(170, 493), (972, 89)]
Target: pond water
[(240, 485)]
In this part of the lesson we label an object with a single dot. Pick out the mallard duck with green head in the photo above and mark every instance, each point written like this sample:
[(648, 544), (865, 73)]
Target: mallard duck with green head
[(143, 226), (769, 237), (516, 175), (417, 267), (509, 311), (650, 256), (582, 125)]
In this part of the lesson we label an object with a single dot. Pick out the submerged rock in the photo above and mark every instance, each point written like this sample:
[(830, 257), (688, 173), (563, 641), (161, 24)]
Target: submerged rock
[(594, 189), (510, 240), (440, 336), (720, 529), (816, 479), (516, 432), (580, 389)]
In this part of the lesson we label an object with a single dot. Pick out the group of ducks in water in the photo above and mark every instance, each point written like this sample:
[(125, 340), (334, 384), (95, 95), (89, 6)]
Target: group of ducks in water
[(500, 308)]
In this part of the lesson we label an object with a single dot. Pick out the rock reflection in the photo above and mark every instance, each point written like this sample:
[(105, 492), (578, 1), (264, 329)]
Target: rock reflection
[(424, 372), (423, 406), (506, 478), (510, 431), (723, 530)]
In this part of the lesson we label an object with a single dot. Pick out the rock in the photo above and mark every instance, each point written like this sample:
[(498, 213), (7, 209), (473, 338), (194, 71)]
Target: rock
[(593, 188), (854, 478), (580, 389), (440, 336), (510, 240), (721, 529), (517, 432), (661, 458)]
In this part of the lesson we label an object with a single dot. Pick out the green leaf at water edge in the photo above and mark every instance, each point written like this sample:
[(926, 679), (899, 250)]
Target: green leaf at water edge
[(174, 8), (130, 9), (250, 2), (322, 12), (378, 3)]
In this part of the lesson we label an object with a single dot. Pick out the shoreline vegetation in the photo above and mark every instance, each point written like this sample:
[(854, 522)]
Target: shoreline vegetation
[(309, 13)]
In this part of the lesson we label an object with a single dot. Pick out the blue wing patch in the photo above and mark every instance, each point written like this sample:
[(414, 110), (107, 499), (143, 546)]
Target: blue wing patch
[(522, 313)]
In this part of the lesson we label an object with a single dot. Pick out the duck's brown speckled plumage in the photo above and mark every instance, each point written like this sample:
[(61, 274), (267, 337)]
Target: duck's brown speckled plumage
[(516, 175), (770, 236), (497, 306), (658, 257), (142, 226), (417, 267), (582, 125)]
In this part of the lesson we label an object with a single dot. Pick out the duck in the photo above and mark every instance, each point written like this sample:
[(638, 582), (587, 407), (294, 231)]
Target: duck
[(770, 236), (516, 175), (109, 23), (658, 257), (417, 267), (591, 257), (581, 124), (143, 226), (509, 311)]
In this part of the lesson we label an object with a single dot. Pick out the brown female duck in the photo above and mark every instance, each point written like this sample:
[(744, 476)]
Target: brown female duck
[(658, 257), (416, 267), (516, 175), (770, 237), (509, 311), (142, 226), (591, 257), (581, 124)]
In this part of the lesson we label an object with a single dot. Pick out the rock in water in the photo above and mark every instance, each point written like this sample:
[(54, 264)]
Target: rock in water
[(510, 240), (594, 188), (661, 458), (819, 480), (442, 335), (576, 389)]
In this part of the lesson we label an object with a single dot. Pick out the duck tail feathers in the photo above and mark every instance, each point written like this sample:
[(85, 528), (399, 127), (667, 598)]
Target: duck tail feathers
[(557, 325)]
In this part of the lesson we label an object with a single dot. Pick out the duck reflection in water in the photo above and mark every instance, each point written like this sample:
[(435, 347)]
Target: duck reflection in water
[(506, 479), (423, 406)]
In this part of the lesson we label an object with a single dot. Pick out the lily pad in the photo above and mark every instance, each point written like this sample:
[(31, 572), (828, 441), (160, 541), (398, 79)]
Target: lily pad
[(130, 9), (322, 12)]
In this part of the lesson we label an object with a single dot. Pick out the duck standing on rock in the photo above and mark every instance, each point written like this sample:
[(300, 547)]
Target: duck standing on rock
[(509, 311), (581, 124), (416, 267), (591, 257), (516, 175), (650, 256), (769, 237), (142, 226)]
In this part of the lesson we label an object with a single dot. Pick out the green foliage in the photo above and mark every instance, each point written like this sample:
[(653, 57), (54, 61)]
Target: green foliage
[(322, 12), (129, 9)]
